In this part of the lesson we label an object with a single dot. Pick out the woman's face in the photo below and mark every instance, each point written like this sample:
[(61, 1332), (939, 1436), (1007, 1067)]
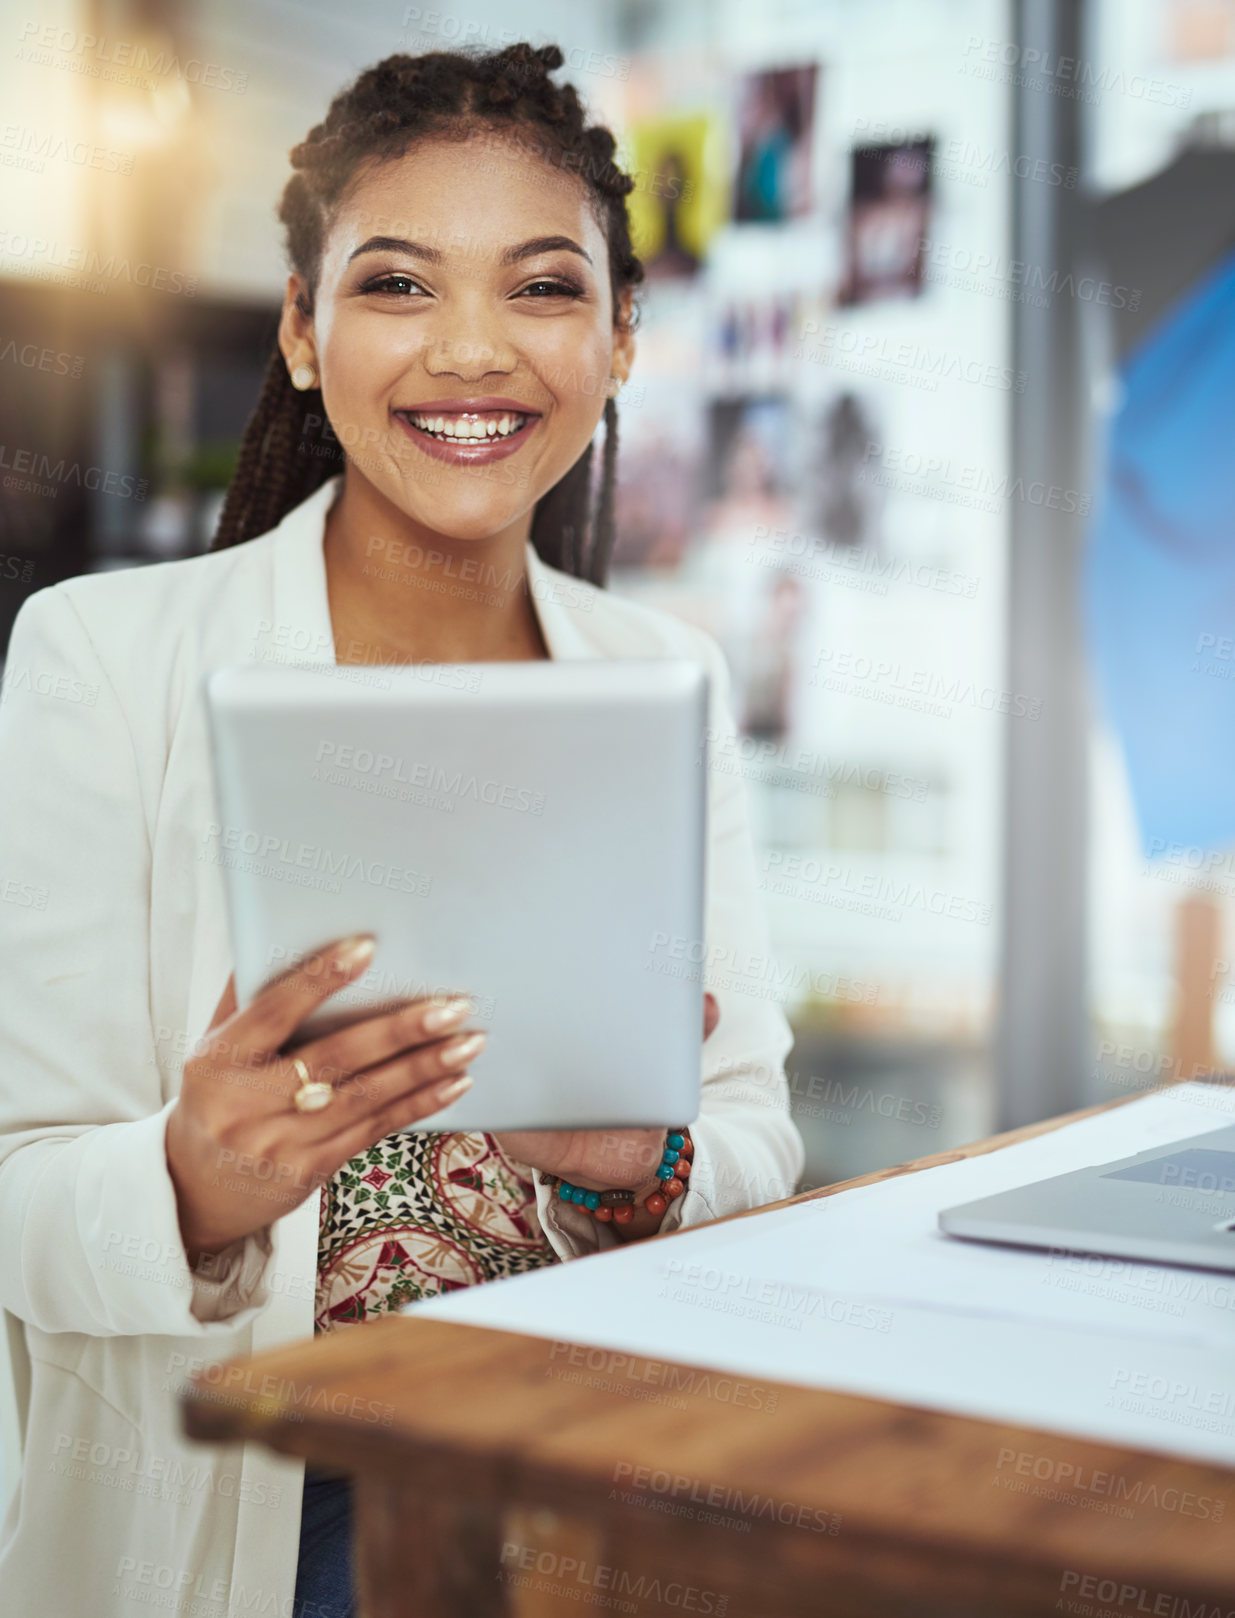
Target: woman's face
[(464, 290)]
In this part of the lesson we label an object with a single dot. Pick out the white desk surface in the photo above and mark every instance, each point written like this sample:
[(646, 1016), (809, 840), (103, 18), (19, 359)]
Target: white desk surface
[(860, 1293)]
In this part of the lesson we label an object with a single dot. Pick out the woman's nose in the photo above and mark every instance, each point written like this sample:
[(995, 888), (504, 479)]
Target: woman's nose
[(467, 341)]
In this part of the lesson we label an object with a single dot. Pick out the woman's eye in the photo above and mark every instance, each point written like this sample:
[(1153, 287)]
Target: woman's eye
[(391, 283), (403, 285), (558, 289)]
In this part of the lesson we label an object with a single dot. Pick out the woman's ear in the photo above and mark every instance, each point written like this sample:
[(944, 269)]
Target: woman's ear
[(623, 338), (296, 339)]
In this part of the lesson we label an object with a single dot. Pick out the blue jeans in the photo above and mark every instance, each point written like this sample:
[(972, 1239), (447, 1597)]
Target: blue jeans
[(324, 1570)]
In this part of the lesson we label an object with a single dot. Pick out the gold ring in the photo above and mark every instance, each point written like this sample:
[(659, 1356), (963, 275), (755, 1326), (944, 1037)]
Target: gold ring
[(313, 1094)]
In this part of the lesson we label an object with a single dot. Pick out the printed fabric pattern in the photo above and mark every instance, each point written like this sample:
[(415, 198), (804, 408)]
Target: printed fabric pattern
[(420, 1213)]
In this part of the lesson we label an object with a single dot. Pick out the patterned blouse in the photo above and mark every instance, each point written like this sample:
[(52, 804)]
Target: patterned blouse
[(421, 1213)]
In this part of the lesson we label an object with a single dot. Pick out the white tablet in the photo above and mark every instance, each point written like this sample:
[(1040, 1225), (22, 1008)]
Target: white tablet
[(532, 834)]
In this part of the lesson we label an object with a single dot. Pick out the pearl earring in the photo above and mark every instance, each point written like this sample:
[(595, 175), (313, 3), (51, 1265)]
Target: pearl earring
[(304, 376)]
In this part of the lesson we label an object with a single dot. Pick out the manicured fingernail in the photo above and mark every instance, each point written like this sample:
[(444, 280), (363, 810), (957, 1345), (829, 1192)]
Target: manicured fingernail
[(355, 951), (456, 1055), (456, 1087), (442, 1016)]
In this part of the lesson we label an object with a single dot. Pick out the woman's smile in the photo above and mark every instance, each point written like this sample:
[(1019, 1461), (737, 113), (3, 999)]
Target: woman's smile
[(465, 302), (468, 431)]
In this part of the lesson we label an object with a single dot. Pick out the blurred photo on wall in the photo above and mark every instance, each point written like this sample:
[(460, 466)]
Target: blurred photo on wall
[(889, 221)]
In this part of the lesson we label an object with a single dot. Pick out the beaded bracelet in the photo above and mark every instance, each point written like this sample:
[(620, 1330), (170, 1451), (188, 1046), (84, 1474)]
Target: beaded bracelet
[(618, 1204)]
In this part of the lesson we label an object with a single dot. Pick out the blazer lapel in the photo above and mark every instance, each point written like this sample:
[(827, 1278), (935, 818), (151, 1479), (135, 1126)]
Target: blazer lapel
[(557, 601), (300, 628)]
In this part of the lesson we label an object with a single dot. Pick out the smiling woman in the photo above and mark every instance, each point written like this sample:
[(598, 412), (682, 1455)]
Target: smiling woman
[(374, 314), (414, 487)]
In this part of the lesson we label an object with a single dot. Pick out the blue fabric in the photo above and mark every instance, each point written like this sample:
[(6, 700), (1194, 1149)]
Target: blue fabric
[(1160, 574), (324, 1570)]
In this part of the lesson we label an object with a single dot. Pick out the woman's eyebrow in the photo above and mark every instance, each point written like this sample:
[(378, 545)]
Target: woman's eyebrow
[(431, 255)]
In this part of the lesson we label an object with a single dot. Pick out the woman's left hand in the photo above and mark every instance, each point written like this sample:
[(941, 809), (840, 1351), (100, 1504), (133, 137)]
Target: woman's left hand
[(597, 1158)]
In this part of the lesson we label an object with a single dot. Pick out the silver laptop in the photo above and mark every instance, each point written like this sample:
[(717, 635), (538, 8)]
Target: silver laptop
[(1172, 1205), (532, 834)]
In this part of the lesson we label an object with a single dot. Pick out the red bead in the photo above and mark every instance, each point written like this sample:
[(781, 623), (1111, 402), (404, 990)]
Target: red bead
[(682, 1168), (623, 1213), (603, 1214), (656, 1204), (673, 1188)]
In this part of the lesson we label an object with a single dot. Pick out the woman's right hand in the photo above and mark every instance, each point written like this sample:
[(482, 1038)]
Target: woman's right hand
[(239, 1153)]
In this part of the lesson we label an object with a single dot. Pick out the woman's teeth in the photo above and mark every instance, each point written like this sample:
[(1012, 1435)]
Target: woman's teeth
[(470, 431)]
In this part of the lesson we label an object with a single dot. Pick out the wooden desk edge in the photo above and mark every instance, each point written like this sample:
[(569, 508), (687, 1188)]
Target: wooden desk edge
[(209, 1417)]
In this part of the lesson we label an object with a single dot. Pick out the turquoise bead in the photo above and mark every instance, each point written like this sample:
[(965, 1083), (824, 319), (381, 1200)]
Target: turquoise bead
[(592, 1200), (672, 1157), (564, 1190), (665, 1172), (578, 1194), (677, 1141)]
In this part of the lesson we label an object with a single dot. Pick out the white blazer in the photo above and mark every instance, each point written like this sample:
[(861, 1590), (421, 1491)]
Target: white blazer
[(115, 947)]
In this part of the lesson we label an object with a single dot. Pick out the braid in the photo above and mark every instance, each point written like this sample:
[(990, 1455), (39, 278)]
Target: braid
[(459, 96), (559, 522), (279, 464), (602, 542)]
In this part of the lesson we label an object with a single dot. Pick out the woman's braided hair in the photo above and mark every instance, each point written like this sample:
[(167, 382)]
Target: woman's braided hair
[(453, 95)]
